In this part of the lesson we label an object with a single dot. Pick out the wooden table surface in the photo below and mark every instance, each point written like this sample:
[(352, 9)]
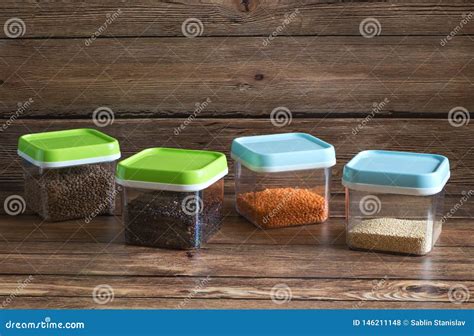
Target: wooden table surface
[(309, 266)]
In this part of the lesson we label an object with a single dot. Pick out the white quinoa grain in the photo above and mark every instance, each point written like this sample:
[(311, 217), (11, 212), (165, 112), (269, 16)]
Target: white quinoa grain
[(392, 235)]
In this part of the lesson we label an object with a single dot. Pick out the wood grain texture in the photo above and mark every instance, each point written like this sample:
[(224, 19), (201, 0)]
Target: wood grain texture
[(63, 265), (420, 135), (366, 290), (166, 77), (230, 17), (153, 303), (319, 67), (285, 261)]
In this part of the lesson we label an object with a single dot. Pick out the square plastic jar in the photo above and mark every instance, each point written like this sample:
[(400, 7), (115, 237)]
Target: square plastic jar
[(282, 180), (394, 201), (172, 198), (69, 174)]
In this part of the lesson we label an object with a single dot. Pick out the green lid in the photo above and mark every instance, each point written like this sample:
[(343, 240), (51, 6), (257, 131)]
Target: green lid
[(68, 148), (172, 169)]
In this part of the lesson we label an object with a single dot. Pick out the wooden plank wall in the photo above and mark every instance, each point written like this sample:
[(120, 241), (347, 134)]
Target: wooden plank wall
[(319, 66)]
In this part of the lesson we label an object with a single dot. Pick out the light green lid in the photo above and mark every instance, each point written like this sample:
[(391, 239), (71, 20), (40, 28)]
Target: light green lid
[(172, 169), (68, 148)]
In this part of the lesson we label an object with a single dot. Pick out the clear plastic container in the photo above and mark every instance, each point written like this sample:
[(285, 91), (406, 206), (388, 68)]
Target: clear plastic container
[(282, 180), (173, 198), (170, 219), (394, 201), (58, 194), (69, 174)]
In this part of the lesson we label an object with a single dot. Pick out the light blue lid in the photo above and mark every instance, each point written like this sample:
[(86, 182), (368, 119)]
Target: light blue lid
[(283, 152), (397, 172)]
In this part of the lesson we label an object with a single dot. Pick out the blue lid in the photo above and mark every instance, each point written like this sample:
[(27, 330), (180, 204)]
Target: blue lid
[(397, 172), (283, 152)]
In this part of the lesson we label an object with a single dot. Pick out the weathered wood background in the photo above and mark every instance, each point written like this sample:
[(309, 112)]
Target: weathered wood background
[(319, 66)]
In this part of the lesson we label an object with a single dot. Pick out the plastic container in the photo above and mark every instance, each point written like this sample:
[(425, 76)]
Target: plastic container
[(394, 201), (69, 174), (282, 179), (173, 198)]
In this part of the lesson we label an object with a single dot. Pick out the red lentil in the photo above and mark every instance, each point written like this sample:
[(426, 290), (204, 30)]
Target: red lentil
[(281, 207)]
